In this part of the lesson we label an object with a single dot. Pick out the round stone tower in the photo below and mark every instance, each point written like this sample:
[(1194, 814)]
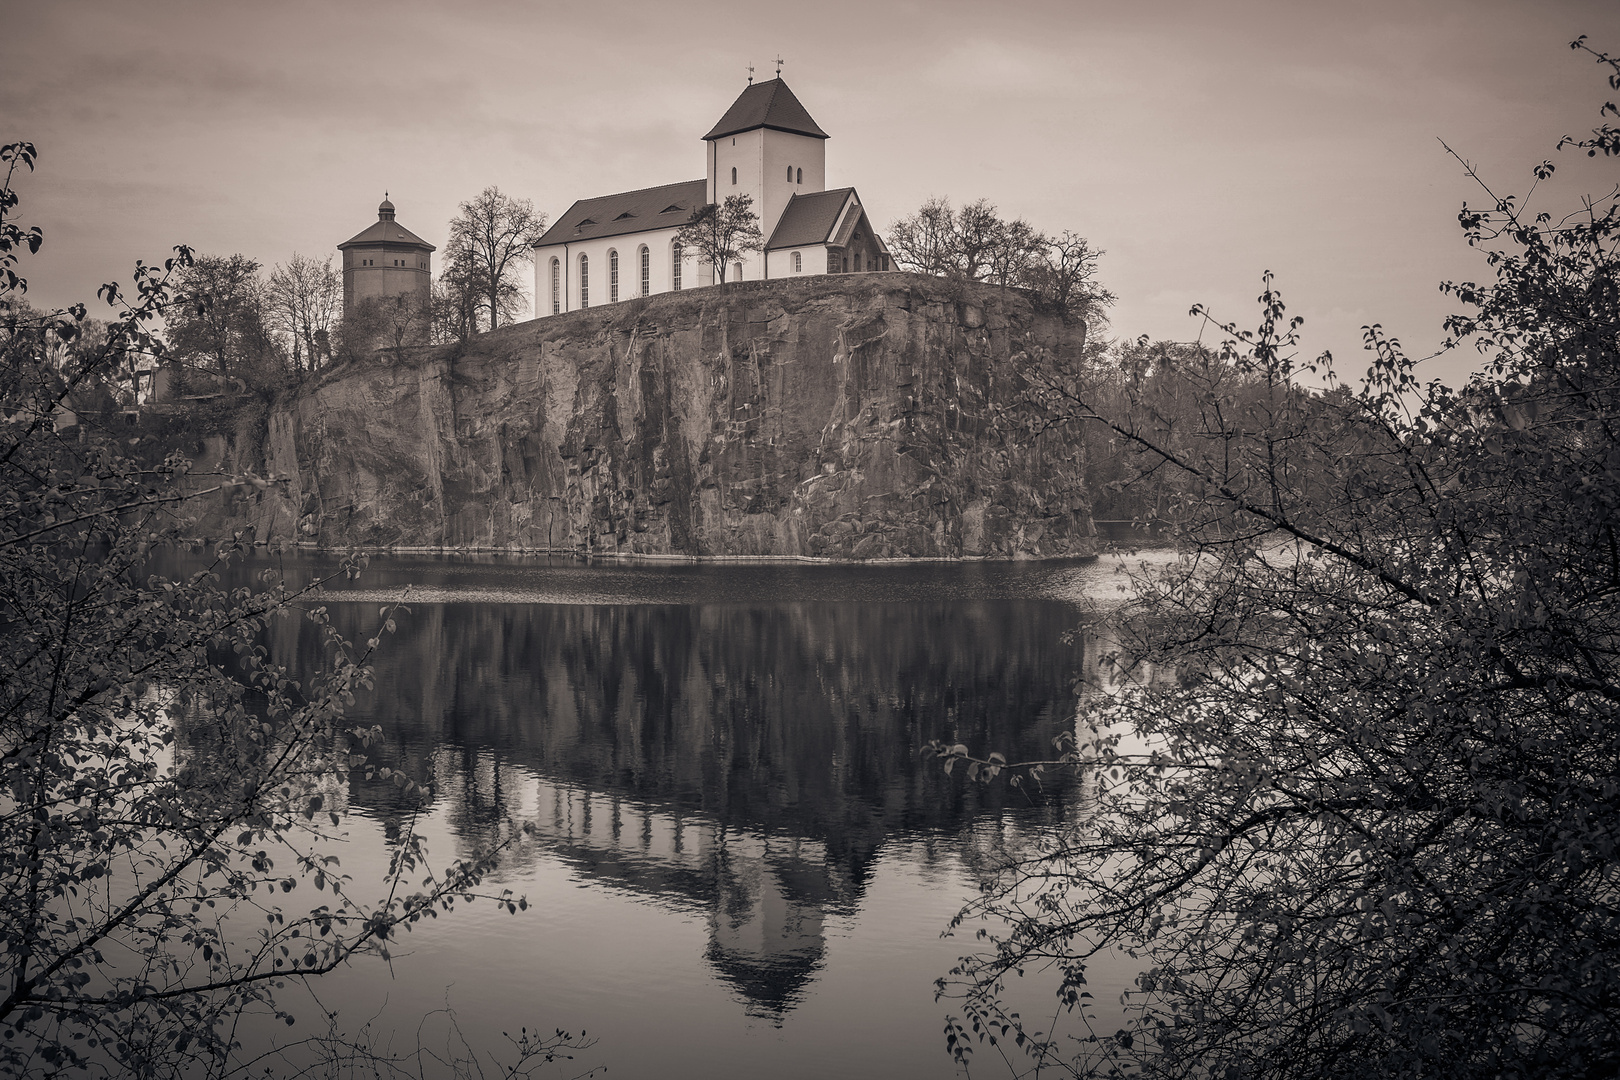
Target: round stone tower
[(385, 260)]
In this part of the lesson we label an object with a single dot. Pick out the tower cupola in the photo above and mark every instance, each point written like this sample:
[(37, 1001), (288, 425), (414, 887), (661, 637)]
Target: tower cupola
[(385, 260)]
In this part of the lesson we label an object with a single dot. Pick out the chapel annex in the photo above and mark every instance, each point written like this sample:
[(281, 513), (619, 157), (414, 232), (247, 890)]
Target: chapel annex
[(767, 146)]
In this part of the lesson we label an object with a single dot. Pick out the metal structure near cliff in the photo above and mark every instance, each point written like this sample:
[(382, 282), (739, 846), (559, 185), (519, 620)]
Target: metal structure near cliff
[(824, 417)]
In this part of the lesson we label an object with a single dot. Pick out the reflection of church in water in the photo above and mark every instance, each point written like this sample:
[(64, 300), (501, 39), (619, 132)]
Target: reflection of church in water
[(766, 897), (750, 766)]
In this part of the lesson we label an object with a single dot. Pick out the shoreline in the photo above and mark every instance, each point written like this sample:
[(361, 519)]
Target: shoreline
[(307, 547)]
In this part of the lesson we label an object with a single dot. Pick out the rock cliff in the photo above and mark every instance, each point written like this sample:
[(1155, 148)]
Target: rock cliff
[(850, 417)]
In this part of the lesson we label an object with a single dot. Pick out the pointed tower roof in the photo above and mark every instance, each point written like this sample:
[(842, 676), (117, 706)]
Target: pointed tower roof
[(769, 105)]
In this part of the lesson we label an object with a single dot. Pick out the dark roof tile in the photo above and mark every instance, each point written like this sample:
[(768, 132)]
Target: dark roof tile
[(386, 232), (627, 212), (809, 219), (767, 104)]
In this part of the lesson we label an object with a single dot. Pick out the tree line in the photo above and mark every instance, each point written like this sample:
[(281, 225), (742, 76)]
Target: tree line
[(232, 321)]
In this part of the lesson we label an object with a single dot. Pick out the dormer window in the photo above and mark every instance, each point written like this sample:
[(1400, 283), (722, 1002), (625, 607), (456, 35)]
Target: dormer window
[(669, 209), (584, 223), (626, 214)]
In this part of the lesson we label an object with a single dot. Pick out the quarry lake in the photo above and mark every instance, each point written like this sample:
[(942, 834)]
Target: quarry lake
[(740, 864)]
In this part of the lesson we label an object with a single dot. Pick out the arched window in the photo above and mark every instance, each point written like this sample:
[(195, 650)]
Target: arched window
[(646, 271), (584, 281), (613, 275), (675, 266), (798, 263), (734, 176), (556, 287), (790, 174), (736, 271), (800, 180)]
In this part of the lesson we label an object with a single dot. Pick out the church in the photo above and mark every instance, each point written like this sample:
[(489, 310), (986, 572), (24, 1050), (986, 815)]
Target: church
[(616, 247)]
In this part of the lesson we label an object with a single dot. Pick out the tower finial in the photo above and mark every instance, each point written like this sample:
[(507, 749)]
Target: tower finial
[(778, 65), (750, 74)]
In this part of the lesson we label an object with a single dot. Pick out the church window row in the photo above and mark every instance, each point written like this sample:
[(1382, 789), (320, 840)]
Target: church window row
[(644, 257), (790, 171)]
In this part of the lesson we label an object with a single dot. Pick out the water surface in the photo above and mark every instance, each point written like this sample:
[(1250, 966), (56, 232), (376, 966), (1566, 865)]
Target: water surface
[(741, 865)]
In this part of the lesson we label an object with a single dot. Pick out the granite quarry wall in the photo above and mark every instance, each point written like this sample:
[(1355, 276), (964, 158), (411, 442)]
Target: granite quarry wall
[(855, 416)]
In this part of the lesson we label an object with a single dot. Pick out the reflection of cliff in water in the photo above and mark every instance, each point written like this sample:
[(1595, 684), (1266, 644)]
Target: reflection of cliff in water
[(743, 761)]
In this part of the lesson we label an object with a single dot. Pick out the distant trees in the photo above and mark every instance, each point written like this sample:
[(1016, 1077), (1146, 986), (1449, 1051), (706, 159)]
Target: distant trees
[(251, 331), (456, 298), (490, 240), (720, 235), (1370, 826), (217, 323), (386, 322), (976, 244), (303, 301)]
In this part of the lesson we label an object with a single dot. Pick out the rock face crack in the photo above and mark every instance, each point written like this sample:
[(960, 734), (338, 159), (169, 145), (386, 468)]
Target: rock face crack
[(840, 418)]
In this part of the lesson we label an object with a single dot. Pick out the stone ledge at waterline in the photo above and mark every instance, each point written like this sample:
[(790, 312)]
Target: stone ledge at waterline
[(862, 416)]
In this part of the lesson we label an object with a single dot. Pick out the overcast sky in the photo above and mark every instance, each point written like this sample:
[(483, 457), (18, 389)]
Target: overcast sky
[(1198, 143)]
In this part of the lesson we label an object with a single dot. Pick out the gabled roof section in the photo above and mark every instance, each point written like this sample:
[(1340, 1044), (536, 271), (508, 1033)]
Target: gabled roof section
[(662, 207), (386, 232), (809, 219), (767, 104)]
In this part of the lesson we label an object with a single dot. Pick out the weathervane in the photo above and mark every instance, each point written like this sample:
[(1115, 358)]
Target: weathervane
[(750, 74), (778, 65)]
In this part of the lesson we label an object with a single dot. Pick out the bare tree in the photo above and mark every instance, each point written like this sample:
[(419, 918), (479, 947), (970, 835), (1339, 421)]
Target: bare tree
[(302, 302), (924, 243), (976, 244), (972, 244), (720, 234), (1066, 275), (494, 235), (456, 298)]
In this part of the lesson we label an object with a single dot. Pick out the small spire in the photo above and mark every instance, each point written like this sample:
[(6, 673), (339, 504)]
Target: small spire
[(778, 65), (750, 74), (385, 212)]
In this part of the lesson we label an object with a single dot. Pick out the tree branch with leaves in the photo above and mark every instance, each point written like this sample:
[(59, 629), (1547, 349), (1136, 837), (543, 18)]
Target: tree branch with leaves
[(1369, 826), (162, 782)]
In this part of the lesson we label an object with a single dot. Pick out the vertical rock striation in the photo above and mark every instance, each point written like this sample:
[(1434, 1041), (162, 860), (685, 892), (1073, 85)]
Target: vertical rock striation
[(849, 417)]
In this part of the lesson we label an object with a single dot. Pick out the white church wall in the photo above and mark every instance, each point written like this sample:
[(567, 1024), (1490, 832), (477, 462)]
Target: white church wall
[(783, 152), (812, 260), (596, 252), (762, 158)]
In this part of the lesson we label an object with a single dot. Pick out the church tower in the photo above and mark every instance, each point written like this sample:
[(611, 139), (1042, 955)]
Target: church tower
[(385, 260), (768, 147)]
